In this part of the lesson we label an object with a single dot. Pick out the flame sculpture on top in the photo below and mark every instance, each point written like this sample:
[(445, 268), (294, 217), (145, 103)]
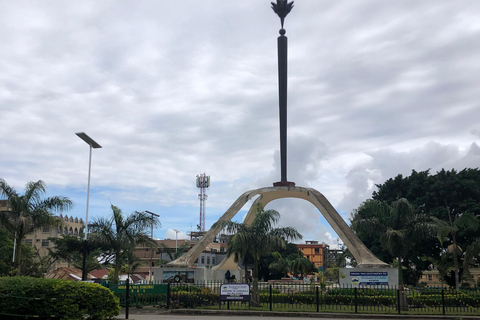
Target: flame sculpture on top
[(282, 8)]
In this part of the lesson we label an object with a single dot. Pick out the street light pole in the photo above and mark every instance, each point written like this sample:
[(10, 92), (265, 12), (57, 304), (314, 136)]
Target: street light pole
[(93, 144), (176, 239), (151, 255)]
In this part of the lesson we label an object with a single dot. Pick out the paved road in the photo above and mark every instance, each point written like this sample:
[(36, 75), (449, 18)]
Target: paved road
[(197, 317), (202, 317), (194, 315)]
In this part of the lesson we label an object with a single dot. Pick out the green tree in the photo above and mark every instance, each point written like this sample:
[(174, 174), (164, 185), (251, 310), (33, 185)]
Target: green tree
[(280, 264), (122, 234), (259, 238), (28, 212), (6, 251), (132, 264), (70, 248), (398, 226), (446, 195), (450, 229), (173, 253), (34, 265)]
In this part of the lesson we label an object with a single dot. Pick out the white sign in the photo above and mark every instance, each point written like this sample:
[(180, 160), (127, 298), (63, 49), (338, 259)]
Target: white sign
[(369, 278), (235, 291)]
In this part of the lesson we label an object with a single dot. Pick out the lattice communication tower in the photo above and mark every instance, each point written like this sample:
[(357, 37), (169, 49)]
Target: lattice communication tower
[(203, 183)]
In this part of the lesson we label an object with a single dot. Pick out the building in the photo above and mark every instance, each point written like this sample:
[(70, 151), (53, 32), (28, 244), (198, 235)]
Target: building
[(432, 278), (334, 258), (314, 251), (39, 239), (213, 254)]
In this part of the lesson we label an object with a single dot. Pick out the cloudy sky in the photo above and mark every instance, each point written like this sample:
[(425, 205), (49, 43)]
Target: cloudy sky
[(172, 89)]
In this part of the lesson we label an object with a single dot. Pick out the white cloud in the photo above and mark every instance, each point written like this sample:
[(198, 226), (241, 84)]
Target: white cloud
[(174, 89)]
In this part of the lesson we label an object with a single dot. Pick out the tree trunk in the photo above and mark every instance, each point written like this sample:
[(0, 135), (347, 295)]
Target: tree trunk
[(18, 253), (118, 266), (400, 274), (401, 288), (255, 294), (455, 262)]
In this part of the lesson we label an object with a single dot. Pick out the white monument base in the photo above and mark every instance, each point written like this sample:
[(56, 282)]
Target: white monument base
[(182, 275)]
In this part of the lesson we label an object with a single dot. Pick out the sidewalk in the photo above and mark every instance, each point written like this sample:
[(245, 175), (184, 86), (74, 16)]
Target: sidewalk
[(201, 314)]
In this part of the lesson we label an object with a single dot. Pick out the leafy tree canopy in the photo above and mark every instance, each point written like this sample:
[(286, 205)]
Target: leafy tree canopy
[(29, 211), (121, 234), (450, 196)]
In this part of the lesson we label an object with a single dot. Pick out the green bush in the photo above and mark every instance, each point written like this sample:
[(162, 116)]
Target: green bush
[(194, 299), (290, 298), (185, 288), (46, 298)]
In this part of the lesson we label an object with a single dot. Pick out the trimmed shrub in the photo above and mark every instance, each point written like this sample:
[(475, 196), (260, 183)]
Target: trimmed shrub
[(47, 298)]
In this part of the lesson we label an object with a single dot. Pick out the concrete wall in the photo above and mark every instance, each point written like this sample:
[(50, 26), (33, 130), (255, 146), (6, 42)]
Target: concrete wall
[(199, 274)]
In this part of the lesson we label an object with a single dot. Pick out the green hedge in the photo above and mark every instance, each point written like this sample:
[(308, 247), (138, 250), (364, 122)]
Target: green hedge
[(184, 299), (23, 297)]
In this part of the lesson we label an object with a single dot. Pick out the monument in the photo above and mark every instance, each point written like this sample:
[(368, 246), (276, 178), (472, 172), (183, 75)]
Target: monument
[(370, 270)]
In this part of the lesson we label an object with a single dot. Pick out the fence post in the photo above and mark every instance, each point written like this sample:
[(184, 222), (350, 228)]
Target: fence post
[(443, 300), (356, 304), (127, 298), (168, 295), (271, 298), (318, 300), (398, 301)]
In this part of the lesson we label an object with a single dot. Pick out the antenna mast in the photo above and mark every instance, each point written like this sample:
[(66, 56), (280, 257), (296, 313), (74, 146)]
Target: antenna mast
[(203, 183)]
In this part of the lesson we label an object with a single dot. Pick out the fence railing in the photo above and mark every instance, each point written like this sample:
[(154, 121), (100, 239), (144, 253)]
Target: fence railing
[(307, 297)]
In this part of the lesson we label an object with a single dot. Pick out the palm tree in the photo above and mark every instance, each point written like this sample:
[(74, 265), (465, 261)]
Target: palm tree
[(280, 264), (28, 212), (398, 225), (294, 263), (122, 234), (301, 265), (132, 264), (258, 238), (173, 253), (445, 229), (472, 252)]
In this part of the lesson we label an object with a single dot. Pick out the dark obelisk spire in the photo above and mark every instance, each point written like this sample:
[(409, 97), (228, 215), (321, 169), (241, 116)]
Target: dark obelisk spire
[(282, 8)]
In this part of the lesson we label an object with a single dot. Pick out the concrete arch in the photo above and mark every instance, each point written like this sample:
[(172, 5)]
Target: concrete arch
[(363, 256)]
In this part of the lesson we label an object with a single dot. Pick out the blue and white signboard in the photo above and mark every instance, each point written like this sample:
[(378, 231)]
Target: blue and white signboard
[(234, 292), (369, 278)]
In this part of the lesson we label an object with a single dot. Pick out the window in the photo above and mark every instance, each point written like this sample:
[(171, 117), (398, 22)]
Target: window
[(45, 243), (46, 229), (203, 260), (208, 260), (317, 250), (28, 242), (213, 260), (429, 277)]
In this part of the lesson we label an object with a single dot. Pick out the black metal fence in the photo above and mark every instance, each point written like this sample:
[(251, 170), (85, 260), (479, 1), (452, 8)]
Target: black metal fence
[(313, 298)]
